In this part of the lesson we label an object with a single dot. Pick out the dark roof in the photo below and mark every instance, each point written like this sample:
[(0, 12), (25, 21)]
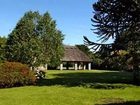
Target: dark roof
[(72, 53)]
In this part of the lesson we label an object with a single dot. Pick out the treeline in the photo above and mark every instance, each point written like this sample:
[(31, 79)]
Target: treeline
[(119, 60)]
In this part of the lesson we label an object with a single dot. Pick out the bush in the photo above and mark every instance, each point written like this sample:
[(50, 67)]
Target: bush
[(40, 74), (15, 74)]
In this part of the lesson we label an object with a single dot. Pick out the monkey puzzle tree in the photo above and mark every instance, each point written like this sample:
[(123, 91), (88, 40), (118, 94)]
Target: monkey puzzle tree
[(120, 20)]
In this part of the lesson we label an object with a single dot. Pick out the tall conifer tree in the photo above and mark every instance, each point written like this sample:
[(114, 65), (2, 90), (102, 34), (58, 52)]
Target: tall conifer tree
[(52, 40), (119, 19), (23, 44)]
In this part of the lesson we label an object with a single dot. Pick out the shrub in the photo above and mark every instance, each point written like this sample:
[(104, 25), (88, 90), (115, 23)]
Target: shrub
[(40, 74), (15, 74)]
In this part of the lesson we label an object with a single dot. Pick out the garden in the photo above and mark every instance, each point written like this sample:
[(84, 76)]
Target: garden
[(36, 42)]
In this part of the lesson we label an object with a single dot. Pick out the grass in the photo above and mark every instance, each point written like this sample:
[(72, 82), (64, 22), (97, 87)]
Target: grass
[(76, 88)]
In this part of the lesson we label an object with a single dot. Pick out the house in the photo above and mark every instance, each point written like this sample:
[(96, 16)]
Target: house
[(75, 57)]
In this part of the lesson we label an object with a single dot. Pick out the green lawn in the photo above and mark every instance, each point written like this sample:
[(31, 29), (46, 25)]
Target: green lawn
[(76, 88)]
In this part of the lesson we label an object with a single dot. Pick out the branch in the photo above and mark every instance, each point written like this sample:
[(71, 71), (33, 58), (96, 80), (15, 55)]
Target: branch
[(98, 46)]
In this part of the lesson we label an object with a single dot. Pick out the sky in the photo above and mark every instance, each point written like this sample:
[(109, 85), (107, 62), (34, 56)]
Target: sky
[(73, 17)]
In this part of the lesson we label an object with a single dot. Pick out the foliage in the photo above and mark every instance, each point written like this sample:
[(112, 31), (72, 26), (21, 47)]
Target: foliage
[(15, 74), (95, 57), (97, 61), (120, 20), (115, 61), (51, 39), (23, 44), (35, 41), (116, 19), (2, 46), (130, 43), (85, 49), (40, 74)]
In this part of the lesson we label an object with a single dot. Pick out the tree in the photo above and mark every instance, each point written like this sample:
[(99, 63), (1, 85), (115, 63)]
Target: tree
[(35, 41), (116, 19), (51, 39), (85, 49), (23, 44), (2, 46), (95, 57)]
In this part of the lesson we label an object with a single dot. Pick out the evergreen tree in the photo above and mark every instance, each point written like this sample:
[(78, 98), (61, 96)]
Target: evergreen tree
[(35, 41), (52, 40), (2, 48), (23, 44), (85, 49), (118, 19)]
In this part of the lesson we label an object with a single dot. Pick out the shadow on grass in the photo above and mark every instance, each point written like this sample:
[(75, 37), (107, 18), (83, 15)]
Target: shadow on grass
[(123, 103), (88, 79)]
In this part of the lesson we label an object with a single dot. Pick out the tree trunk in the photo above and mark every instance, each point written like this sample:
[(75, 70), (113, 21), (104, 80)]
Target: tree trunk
[(67, 65), (136, 78)]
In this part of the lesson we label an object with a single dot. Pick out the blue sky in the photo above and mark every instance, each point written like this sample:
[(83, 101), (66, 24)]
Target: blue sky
[(73, 17)]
